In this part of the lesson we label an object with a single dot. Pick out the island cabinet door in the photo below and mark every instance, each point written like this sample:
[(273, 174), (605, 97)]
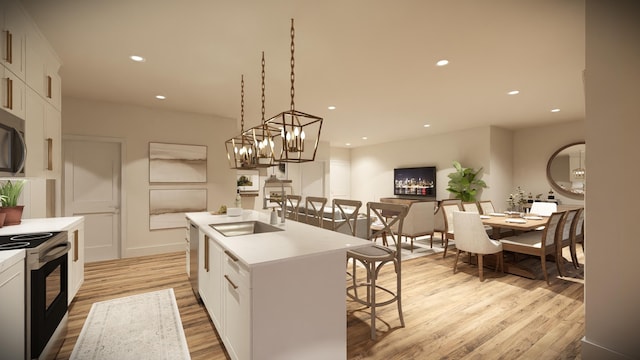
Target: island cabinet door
[(215, 285), (237, 305)]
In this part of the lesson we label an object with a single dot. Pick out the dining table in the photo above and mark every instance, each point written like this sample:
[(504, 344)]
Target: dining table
[(499, 221)]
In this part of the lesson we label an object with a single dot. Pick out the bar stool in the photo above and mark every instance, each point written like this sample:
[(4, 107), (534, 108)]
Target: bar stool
[(374, 257), (314, 210), (343, 219)]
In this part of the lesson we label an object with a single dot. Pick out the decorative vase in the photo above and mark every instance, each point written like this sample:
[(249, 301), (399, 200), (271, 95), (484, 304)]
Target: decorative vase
[(13, 214)]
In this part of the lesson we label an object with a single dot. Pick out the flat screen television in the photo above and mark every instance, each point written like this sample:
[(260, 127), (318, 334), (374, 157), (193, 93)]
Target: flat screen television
[(416, 181)]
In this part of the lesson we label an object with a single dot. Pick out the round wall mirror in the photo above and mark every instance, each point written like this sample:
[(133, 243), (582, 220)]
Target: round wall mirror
[(566, 170)]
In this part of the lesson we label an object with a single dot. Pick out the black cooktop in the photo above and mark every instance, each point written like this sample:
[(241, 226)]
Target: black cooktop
[(24, 241)]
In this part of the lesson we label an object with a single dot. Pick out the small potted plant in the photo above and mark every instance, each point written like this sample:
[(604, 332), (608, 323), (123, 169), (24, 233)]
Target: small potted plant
[(9, 193)]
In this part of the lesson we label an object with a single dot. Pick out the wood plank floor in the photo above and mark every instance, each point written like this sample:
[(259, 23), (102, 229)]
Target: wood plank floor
[(447, 316)]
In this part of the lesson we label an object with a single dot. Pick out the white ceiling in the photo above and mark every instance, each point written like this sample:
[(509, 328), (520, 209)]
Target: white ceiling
[(372, 59)]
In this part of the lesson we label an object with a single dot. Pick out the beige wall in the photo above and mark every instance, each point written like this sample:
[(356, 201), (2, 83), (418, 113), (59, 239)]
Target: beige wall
[(612, 289), (372, 166), (138, 126), (532, 148)]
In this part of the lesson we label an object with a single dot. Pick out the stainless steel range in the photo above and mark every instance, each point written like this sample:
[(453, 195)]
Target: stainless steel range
[(46, 294)]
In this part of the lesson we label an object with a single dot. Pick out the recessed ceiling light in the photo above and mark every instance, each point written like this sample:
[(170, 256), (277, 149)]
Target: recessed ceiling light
[(364, 138), (137, 58), (442, 62), (514, 92), (348, 144), (555, 110), (331, 107), (160, 97), (426, 125)]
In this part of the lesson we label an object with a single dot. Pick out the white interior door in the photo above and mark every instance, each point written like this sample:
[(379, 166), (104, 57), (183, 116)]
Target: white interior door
[(92, 183)]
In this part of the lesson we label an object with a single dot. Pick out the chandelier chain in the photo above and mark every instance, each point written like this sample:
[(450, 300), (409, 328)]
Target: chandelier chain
[(293, 62), (263, 111), (242, 104)]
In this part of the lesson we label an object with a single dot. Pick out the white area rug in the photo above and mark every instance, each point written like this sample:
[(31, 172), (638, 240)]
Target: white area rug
[(144, 326)]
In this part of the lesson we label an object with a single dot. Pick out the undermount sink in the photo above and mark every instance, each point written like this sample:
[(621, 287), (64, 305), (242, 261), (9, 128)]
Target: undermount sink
[(244, 228)]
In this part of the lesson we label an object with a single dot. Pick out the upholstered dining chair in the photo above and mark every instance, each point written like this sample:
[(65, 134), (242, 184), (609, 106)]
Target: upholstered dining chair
[(565, 239), (419, 221), (486, 207), (471, 207), (314, 210), (447, 214), (345, 215), (537, 243), (577, 236), (374, 257), (293, 206), (471, 237), (439, 224), (543, 208)]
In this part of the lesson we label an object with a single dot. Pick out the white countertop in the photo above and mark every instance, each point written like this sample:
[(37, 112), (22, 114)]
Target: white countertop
[(10, 257), (43, 224), (297, 239)]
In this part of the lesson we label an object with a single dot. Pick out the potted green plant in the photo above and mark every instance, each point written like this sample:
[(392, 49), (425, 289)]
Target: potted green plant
[(9, 193), (464, 183)]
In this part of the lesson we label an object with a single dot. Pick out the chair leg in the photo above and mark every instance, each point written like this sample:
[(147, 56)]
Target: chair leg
[(560, 262), (371, 272), (446, 245), (574, 255), (480, 266), (398, 294), (455, 263), (543, 260)]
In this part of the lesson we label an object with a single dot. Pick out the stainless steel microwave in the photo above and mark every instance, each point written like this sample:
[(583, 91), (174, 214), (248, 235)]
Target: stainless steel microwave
[(13, 149)]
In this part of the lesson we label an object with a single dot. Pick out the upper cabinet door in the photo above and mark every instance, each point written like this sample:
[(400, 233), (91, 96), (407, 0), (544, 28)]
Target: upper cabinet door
[(13, 39)]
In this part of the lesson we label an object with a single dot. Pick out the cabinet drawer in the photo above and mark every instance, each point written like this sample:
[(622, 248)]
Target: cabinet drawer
[(235, 272)]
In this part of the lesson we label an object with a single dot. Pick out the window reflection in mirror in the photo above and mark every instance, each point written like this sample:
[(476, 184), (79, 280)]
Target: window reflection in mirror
[(566, 170)]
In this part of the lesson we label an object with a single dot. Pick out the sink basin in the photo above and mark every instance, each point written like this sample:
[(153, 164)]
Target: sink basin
[(244, 228)]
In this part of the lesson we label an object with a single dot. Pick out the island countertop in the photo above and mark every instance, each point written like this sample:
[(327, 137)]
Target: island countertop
[(297, 239)]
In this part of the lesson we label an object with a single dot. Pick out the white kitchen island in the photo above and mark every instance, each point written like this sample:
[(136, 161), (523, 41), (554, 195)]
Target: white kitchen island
[(275, 295)]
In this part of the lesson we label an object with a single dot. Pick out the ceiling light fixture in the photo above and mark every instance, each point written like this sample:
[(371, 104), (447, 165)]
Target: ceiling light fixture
[(160, 97), (137, 58), (442, 62), (296, 128), (240, 150), (555, 110), (348, 144), (331, 107), (364, 138), (426, 125), (579, 172), (263, 134), (514, 92)]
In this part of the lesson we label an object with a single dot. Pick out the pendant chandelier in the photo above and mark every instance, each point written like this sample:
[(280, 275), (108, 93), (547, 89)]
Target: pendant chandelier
[(579, 172), (262, 135), (299, 132), (240, 149)]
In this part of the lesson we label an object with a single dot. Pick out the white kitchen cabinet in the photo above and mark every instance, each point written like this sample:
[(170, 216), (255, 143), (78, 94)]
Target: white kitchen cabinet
[(210, 277), (13, 23), (44, 138), (237, 308), (42, 66), (12, 311), (12, 93), (75, 259)]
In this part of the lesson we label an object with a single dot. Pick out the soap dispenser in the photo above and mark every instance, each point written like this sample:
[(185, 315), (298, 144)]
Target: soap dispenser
[(274, 217)]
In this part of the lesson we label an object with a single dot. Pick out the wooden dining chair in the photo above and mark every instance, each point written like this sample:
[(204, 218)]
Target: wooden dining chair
[(293, 206), (537, 243), (565, 239), (472, 238), (577, 236), (439, 225), (374, 257), (314, 210), (543, 208), (345, 215)]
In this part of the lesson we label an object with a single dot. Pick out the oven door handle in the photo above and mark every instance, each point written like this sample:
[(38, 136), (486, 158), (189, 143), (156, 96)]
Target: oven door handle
[(54, 253)]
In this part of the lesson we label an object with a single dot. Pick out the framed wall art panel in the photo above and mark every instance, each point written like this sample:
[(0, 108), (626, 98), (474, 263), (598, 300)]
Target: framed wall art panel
[(177, 163), (167, 206)]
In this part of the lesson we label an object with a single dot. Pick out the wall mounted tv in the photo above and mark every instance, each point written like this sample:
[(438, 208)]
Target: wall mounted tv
[(416, 181)]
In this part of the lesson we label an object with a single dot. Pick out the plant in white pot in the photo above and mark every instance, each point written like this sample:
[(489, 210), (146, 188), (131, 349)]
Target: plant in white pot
[(9, 193)]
